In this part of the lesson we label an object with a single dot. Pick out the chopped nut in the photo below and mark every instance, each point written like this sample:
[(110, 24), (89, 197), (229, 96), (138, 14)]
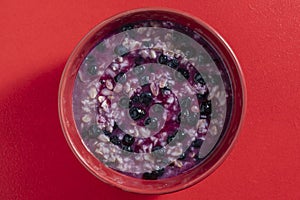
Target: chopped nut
[(213, 130), (154, 89), (103, 138), (86, 118), (101, 99), (109, 84), (178, 163), (93, 92)]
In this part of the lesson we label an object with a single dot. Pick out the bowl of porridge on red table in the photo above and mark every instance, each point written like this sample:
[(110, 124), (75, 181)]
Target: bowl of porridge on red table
[(152, 100)]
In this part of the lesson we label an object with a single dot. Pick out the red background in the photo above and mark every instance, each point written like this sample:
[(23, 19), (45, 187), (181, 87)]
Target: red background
[(36, 38)]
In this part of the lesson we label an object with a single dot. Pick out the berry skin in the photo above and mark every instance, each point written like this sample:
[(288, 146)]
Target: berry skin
[(145, 98), (154, 174), (136, 113), (162, 59), (199, 79), (205, 108), (128, 140), (115, 140), (185, 73), (197, 143)]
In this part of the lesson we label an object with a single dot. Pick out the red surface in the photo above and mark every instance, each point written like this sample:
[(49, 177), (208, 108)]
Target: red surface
[(36, 39)]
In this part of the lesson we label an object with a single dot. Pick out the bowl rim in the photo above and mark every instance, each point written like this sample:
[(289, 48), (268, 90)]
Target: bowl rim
[(77, 52)]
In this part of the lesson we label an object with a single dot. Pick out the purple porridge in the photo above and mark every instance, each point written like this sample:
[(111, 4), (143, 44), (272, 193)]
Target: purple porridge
[(152, 99)]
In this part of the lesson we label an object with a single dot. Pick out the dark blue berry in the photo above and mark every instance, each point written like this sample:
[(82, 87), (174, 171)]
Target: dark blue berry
[(127, 140), (197, 143), (136, 113), (198, 78), (205, 108), (153, 175), (94, 131), (146, 98), (135, 99), (139, 60), (173, 63), (120, 50), (127, 148), (115, 140), (203, 96), (170, 138), (127, 27), (162, 59), (182, 156), (120, 77), (185, 73), (107, 133)]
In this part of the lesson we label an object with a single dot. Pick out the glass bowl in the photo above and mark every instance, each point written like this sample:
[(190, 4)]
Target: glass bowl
[(166, 43)]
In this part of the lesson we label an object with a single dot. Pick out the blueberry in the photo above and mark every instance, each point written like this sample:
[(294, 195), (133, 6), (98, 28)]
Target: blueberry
[(92, 69), (120, 50), (136, 113), (138, 70), (182, 156), (170, 138), (127, 27), (120, 77), (198, 78), (205, 108), (107, 133), (203, 96), (197, 143), (146, 98), (124, 102), (115, 126), (127, 140), (162, 59), (94, 131), (135, 99), (127, 148), (185, 73), (151, 123), (173, 63), (115, 140), (139, 60), (154, 174)]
